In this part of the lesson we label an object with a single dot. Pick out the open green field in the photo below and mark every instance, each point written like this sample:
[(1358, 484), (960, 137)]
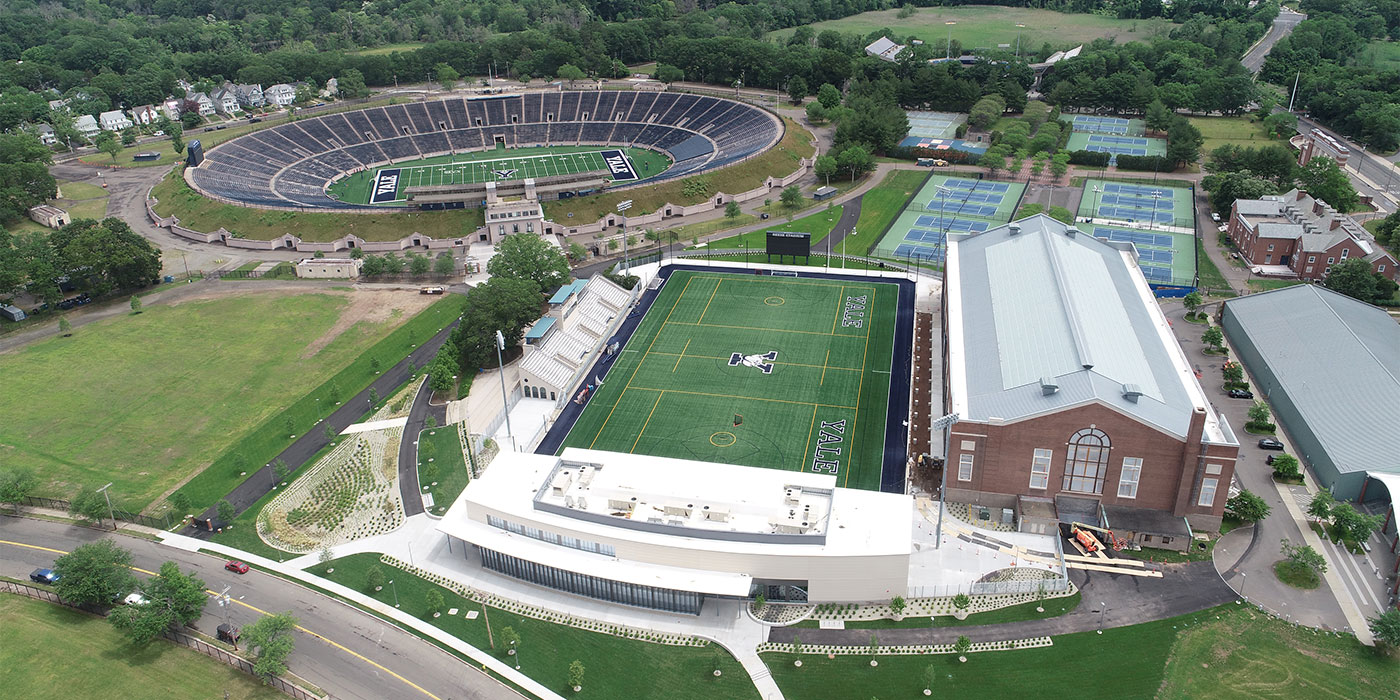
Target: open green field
[(146, 401), (616, 667), (787, 355), (1236, 131), (879, 206), (388, 49), (1220, 653), (818, 224), (1381, 54), (496, 165), (986, 26), (446, 475), (91, 659), (79, 199)]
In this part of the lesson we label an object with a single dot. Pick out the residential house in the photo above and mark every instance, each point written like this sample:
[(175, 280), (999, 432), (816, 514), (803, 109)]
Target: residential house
[(199, 102), (46, 134), (115, 120), (58, 105), (171, 108), (1296, 235), (87, 126), (249, 96), (884, 49), (225, 100), (145, 114), (280, 94)]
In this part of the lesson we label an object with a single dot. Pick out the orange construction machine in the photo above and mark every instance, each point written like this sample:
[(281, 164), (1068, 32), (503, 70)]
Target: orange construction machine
[(1083, 535)]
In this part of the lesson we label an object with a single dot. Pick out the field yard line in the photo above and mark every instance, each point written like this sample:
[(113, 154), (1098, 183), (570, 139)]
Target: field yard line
[(648, 421), (639, 365), (776, 362), (803, 466), (742, 398), (840, 297), (707, 304), (783, 281), (864, 356), (752, 328), (824, 364), (681, 356)]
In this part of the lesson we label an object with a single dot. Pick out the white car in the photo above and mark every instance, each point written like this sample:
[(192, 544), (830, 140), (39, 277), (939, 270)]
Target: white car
[(135, 599)]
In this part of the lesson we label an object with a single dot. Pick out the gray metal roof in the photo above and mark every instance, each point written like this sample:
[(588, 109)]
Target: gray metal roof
[(1073, 311), (1339, 361)]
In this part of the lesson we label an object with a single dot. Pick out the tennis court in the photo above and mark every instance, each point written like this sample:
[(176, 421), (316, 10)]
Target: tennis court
[(934, 125), (1117, 145), (1165, 257), (1089, 123), (778, 372), (1135, 203), (947, 204)]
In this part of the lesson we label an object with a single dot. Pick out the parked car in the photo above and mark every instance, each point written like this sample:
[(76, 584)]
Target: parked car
[(1270, 459), (134, 599), (229, 633), (44, 576), (430, 290), (1241, 394), (236, 567), (1270, 444)]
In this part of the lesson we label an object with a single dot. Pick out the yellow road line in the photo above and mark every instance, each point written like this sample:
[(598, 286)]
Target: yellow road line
[(678, 357), (323, 638), (742, 398), (628, 385), (648, 420), (803, 466), (707, 304)]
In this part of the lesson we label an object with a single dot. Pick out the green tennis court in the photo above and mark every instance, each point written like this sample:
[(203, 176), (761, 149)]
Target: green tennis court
[(1116, 144), (1137, 205), (775, 372), (962, 205)]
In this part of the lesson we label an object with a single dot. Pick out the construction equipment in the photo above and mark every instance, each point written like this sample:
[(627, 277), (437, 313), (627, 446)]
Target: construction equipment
[(1084, 535)]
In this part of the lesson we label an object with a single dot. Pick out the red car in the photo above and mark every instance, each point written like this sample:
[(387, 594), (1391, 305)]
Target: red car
[(237, 567)]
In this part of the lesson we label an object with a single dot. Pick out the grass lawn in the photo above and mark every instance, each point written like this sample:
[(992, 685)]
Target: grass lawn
[(79, 199), (1237, 131), (201, 214), (1262, 285), (778, 161), (879, 206), (1054, 607), (689, 232), (388, 49), (818, 224), (1380, 54), (1206, 270), (814, 261), (1296, 576), (1057, 213), (982, 26), (147, 400), (93, 660), (446, 475), (676, 389), (615, 667)]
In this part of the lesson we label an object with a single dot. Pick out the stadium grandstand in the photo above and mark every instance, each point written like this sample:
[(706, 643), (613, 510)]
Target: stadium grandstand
[(291, 165)]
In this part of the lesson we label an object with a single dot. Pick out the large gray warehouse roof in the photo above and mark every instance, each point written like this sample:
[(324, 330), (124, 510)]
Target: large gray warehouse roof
[(1339, 361)]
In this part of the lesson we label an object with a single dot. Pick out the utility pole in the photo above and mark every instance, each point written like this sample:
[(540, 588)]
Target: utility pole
[(505, 400), (945, 424), (622, 207), (1294, 96), (110, 512)]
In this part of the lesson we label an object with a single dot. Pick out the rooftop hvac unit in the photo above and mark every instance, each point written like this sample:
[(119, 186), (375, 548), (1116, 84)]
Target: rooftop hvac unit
[(618, 504), (720, 516), (790, 495), (683, 511)]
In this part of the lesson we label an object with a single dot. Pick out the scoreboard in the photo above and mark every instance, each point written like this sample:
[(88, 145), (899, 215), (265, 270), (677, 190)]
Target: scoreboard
[(782, 243)]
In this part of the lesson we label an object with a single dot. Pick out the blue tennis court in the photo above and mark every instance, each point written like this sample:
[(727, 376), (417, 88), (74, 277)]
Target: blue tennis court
[(959, 207), (919, 252), (1116, 150), (936, 224), (1143, 190), (1119, 140), (1091, 119), (975, 185), (1125, 200), (1154, 273), (1138, 238), (1135, 214)]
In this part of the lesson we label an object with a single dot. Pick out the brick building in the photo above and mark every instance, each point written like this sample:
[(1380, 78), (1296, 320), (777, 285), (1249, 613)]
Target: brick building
[(1075, 401), (1295, 235)]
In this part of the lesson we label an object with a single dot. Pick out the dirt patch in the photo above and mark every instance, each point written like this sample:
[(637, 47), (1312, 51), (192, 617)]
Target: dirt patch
[(372, 305)]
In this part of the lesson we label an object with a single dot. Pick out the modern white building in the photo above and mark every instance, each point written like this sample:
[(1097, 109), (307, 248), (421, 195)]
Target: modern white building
[(666, 533), (115, 120)]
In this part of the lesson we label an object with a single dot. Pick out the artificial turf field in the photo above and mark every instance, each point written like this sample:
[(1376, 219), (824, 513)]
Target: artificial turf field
[(676, 388), (496, 165)]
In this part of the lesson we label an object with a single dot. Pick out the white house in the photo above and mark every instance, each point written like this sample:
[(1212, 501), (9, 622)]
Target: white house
[(225, 100), (45, 134), (280, 94), (115, 120), (58, 105), (87, 126), (145, 114), (171, 107), (249, 96), (205, 106)]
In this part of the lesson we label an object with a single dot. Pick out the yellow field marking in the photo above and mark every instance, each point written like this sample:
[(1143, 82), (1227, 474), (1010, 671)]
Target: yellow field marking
[(733, 439), (639, 365), (678, 357), (648, 421), (828, 359), (371, 662), (803, 466), (840, 299), (769, 280), (864, 356), (775, 301), (707, 304), (776, 362), (742, 398), (752, 328)]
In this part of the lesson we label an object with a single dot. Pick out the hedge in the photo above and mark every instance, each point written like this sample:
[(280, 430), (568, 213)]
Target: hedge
[(1094, 158), (1159, 164)]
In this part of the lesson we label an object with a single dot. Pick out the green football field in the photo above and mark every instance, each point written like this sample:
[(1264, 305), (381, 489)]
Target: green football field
[(775, 372)]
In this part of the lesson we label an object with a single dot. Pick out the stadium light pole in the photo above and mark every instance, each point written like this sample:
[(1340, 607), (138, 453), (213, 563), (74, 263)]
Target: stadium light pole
[(948, 47), (1019, 27), (1156, 195), (505, 400), (622, 208), (1097, 191), (945, 424)]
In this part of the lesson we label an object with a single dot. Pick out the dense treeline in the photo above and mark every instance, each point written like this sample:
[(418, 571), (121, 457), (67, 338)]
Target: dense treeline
[(1357, 100)]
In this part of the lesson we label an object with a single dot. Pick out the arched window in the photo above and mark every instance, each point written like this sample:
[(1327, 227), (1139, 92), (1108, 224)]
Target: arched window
[(1086, 461)]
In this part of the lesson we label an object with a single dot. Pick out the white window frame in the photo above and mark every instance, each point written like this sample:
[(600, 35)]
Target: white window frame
[(1040, 469), (1128, 487), (965, 467), (1208, 485)]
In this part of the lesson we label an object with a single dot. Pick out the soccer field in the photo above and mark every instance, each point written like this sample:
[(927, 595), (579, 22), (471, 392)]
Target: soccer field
[(775, 372)]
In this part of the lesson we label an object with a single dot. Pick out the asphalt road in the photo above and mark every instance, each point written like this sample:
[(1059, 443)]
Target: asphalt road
[(409, 490), (1283, 25), (350, 654)]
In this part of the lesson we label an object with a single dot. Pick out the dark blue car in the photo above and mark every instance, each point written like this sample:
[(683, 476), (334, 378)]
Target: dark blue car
[(44, 576)]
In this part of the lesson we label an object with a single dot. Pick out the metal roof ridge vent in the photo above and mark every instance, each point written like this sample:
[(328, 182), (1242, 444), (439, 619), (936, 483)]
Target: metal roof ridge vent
[(1076, 329), (1013, 228), (1048, 386), (1132, 392), (1071, 231)]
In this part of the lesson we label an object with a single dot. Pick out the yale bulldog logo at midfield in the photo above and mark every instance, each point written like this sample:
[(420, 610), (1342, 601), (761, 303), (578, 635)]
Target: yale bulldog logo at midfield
[(504, 174), (756, 361)]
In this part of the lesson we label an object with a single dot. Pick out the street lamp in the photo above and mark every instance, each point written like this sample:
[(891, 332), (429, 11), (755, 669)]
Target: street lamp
[(396, 592), (516, 653), (505, 400), (948, 48), (622, 207), (110, 512), (945, 424), (1103, 608)]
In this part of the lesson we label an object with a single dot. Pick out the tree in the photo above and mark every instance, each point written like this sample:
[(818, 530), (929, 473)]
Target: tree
[(570, 73), (447, 76), (97, 573), (16, 484), (1232, 371), (1059, 165), (1287, 468), (1183, 141), (897, 605), (1320, 506), (510, 639), (352, 84), (1324, 180), (433, 601), (1158, 117), (1259, 411), (419, 264), (444, 264), (668, 74), (374, 578), (108, 144), (829, 96), (1213, 337), (825, 166), (962, 645), (961, 601), (1192, 302), (135, 304), (112, 256), (499, 304), (129, 136), (797, 89), (64, 327), (791, 197), (1352, 277), (271, 640), (1354, 525), (1386, 627), (856, 160), (1248, 507), (816, 113), (172, 598), (576, 675), (1304, 557), (225, 511), (88, 504), (731, 210), (528, 257)]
